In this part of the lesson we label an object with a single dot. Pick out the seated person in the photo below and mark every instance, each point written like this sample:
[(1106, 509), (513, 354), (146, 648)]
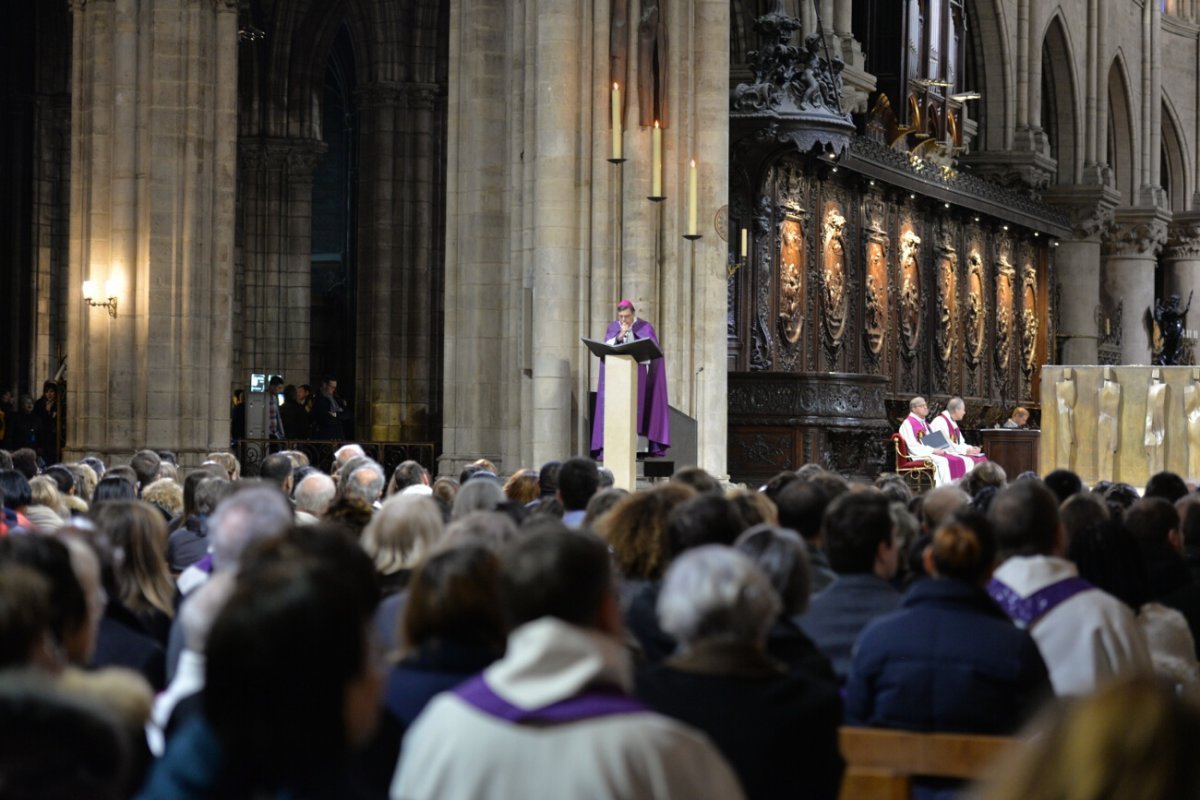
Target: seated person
[(946, 423), (947, 466), (1019, 418), (772, 726)]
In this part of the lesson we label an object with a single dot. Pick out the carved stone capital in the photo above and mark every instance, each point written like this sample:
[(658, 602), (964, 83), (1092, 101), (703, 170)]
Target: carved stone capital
[(379, 95), (423, 96), (1137, 232), (298, 156), (1183, 239), (1090, 208), (226, 5)]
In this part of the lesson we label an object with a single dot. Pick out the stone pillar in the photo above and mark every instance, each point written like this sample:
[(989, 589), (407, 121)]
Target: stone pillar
[(1131, 251), (276, 216), (153, 161), (1181, 263), (399, 256), (857, 82), (1077, 264)]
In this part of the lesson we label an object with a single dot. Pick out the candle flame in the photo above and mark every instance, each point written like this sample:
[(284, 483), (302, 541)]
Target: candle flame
[(655, 123)]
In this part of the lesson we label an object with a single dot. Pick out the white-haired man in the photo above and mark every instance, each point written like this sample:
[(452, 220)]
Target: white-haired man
[(946, 423), (913, 430)]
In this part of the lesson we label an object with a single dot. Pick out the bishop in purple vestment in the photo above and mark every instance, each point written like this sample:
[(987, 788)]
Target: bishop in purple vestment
[(652, 409)]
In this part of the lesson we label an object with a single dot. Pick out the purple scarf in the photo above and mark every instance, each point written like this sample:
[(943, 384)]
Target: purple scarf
[(597, 701)]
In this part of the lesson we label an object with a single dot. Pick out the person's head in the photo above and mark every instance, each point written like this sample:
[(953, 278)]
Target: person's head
[(523, 487), (716, 594), (113, 487), (85, 480), (548, 478), (402, 532), (343, 454), (754, 507), (25, 461), (50, 390), (601, 503), (145, 464), (275, 384), (941, 503), (131, 537), (407, 473), (96, 464), (1119, 497), (1083, 510), (493, 529), (314, 493), (329, 386), (63, 479), (607, 479), (1129, 740), (635, 528), (291, 684), (783, 558), (210, 493), (918, 407), (477, 495), (15, 489), (1108, 556), (563, 574), (704, 519), (26, 403), (1166, 485), (1020, 416), (626, 312), (956, 408), (699, 480), (365, 482), (801, 505), (1189, 519), (858, 535), (43, 491), (989, 474), (244, 517), (578, 480), (894, 488), (166, 495), (70, 617), (964, 548), (277, 468), (1025, 519), (1154, 521), (6, 461), (454, 595), (1064, 483), (26, 638), (233, 467), (303, 393)]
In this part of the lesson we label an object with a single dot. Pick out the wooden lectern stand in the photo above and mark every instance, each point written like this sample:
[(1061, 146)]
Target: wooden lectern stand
[(620, 404)]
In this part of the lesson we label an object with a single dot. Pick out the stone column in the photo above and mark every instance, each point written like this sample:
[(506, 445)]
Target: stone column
[(153, 161), (857, 82), (1131, 251), (1077, 263), (276, 215), (1181, 263)]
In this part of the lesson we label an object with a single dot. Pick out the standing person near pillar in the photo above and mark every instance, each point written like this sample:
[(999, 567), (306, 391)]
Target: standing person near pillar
[(947, 466), (48, 409), (329, 415), (946, 423), (653, 413)]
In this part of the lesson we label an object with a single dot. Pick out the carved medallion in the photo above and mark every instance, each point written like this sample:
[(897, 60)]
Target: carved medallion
[(792, 270), (1029, 319), (976, 320), (875, 302), (1004, 318), (833, 273), (910, 291), (947, 283)]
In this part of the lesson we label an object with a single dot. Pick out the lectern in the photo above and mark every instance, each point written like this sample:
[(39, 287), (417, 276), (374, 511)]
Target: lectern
[(620, 404)]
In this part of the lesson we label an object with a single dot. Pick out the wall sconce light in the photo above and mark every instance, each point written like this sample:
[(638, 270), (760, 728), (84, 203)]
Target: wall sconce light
[(89, 292)]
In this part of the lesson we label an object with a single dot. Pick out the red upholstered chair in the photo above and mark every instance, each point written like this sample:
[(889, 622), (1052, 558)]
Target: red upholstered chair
[(913, 470)]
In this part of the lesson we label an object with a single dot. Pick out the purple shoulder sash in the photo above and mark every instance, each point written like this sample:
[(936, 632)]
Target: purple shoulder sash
[(597, 701), (1027, 610)]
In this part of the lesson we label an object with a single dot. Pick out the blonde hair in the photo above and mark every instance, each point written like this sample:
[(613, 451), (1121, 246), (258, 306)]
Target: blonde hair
[(227, 460), (44, 492), (403, 530), (166, 494)]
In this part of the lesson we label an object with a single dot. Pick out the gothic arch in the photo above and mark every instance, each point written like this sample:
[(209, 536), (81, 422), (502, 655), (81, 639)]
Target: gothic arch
[(988, 42), (1122, 134), (1177, 169), (1060, 101)]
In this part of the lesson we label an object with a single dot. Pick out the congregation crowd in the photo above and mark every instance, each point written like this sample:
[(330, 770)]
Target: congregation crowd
[(332, 631)]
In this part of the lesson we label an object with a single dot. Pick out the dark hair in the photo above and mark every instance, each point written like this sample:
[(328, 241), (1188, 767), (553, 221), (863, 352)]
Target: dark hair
[(777, 484), (62, 477), (25, 461), (50, 558), (564, 574), (1063, 483), (1118, 497), (704, 519), (5, 460), (168, 456), (578, 480), (15, 488), (113, 487), (964, 547), (1151, 519), (95, 463), (1167, 485), (276, 468), (601, 503), (407, 473), (780, 553), (124, 471), (24, 614), (455, 595), (145, 463), (1082, 511), (802, 507), (1108, 556), (190, 484), (855, 525), (1025, 519), (698, 479), (548, 477)]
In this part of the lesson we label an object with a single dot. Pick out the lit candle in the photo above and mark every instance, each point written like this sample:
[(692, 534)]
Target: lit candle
[(656, 161), (616, 121), (745, 242), (89, 289), (693, 194)]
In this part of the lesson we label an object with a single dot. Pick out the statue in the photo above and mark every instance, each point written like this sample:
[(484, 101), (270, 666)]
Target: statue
[(1169, 320), (1107, 426), (834, 274), (1156, 422), (1064, 392)]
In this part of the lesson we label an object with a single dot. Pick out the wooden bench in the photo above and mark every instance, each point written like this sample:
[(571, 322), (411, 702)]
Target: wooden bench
[(881, 764)]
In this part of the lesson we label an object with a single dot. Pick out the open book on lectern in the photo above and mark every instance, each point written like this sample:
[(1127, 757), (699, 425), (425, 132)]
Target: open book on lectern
[(640, 349)]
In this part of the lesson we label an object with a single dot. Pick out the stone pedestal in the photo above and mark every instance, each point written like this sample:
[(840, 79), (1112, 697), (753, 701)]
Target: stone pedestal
[(1131, 251), (152, 217)]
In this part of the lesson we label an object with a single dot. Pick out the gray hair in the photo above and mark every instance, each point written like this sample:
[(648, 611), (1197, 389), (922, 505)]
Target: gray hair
[(955, 403), (916, 402), (782, 556), (714, 593), (492, 529), (345, 453), (403, 531), (365, 481), (314, 493), (245, 517), (480, 494)]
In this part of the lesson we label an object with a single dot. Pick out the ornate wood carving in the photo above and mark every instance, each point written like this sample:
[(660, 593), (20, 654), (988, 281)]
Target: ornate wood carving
[(1004, 313), (947, 297), (1029, 318), (833, 273), (793, 268), (910, 290), (976, 321)]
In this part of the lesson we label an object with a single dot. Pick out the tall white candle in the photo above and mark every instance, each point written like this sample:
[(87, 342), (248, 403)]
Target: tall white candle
[(656, 161), (693, 200), (745, 241), (616, 121)]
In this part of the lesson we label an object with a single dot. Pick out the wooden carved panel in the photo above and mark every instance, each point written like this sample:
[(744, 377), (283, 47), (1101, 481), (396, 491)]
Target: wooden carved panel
[(875, 324), (976, 314), (793, 268), (1004, 314), (833, 272), (1029, 317), (947, 299), (910, 289)]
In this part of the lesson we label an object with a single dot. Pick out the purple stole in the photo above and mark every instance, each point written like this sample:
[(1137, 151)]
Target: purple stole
[(956, 437), (1027, 610), (596, 701)]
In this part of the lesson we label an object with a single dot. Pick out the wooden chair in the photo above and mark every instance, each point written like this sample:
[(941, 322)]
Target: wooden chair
[(913, 470), (881, 764)]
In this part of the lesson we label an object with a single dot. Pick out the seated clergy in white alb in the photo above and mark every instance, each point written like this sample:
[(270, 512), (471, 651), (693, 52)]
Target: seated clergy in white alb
[(913, 430), (946, 423)]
